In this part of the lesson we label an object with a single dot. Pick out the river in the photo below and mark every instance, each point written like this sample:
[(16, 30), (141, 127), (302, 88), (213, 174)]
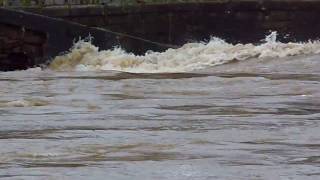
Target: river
[(241, 115)]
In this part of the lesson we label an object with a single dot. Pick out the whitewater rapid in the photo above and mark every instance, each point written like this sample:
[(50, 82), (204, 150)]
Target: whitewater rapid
[(84, 56)]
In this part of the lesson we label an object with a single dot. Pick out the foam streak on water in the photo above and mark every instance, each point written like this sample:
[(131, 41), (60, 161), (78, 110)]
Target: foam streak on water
[(84, 56)]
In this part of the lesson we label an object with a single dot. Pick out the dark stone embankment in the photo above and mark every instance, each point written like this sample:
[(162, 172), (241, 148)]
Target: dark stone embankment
[(235, 21), (28, 39), (177, 23)]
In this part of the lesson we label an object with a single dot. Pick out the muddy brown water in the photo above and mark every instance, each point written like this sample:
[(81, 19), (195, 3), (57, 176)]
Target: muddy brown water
[(243, 120)]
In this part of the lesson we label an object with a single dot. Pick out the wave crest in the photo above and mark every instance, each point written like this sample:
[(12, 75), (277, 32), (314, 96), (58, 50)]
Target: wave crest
[(84, 56)]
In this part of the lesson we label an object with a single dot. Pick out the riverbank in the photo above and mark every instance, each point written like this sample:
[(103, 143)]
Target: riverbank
[(175, 24)]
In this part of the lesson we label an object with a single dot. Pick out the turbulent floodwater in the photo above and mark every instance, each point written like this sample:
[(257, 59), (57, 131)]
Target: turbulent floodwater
[(223, 112)]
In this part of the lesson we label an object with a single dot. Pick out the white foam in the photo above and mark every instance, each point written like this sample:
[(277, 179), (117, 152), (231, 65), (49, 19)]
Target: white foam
[(24, 103), (192, 56)]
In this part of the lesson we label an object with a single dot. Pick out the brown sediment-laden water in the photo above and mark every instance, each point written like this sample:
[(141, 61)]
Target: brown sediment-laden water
[(203, 111)]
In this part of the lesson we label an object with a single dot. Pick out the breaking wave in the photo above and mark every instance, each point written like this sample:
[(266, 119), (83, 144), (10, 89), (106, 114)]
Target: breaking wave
[(84, 56)]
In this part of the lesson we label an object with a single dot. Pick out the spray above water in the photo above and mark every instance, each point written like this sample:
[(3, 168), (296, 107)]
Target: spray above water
[(84, 56)]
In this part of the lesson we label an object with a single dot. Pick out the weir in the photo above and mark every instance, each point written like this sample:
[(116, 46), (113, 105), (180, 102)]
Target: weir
[(37, 34)]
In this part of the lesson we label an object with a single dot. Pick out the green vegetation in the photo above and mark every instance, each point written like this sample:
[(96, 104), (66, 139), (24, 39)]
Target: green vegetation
[(134, 2), (25, 2), (42, 3)]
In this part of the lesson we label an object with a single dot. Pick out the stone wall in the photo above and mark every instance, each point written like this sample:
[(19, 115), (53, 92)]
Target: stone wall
[(19, 47), (236, 21), (28, 39)]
